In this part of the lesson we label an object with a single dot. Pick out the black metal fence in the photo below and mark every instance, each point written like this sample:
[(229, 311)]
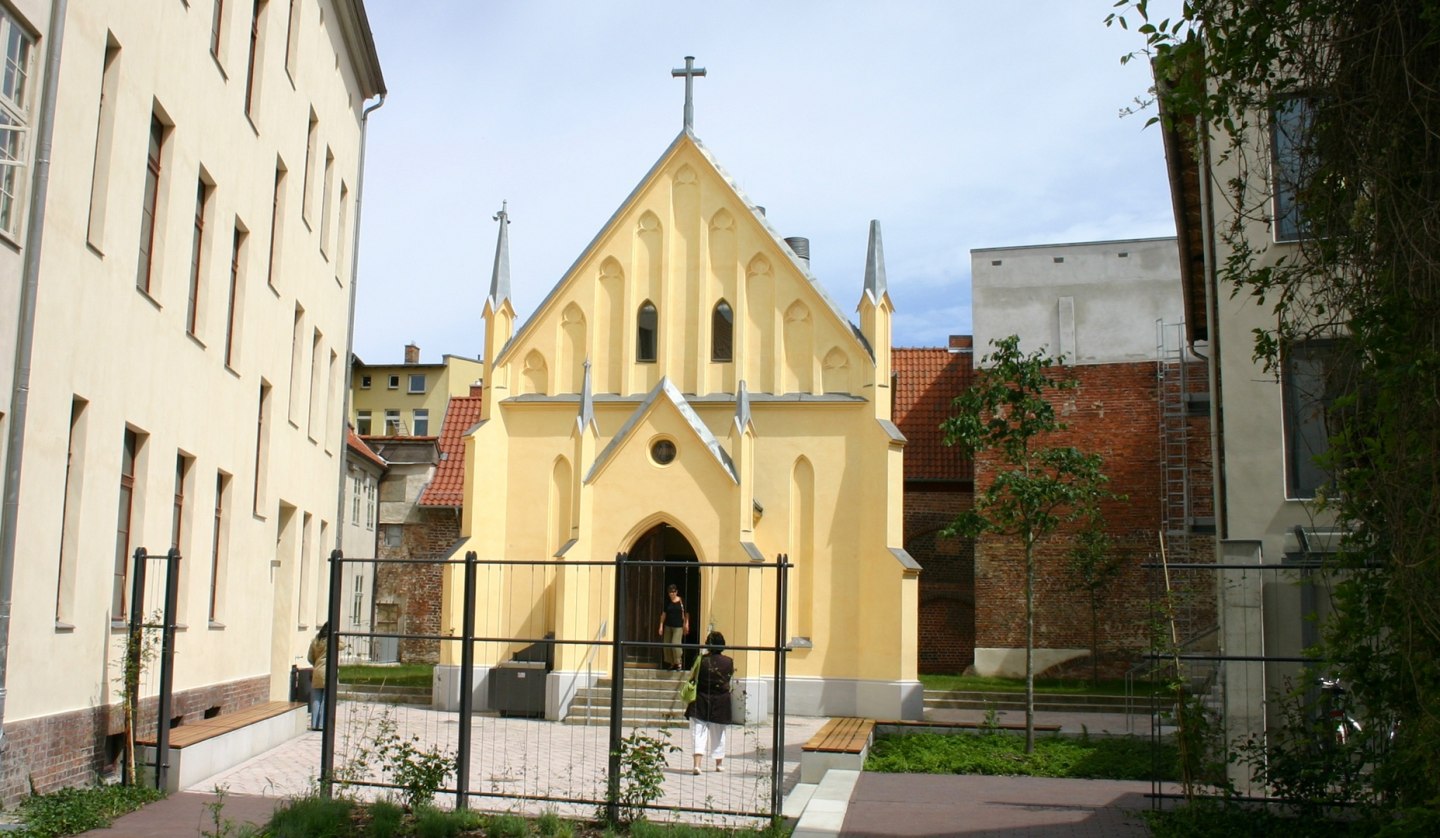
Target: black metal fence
[(551, 702)]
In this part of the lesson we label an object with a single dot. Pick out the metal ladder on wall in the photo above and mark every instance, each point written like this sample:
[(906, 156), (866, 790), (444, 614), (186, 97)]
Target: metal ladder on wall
[(1170, 379)]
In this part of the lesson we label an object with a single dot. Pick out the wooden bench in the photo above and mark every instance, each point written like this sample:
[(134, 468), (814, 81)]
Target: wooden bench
[(204, 748), (841, 743)]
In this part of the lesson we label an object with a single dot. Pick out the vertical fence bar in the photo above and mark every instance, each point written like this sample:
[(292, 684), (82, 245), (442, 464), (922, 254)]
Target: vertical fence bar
[(617, 693), (467, 683), (167, 668), (332, 674), (134, 647), (777, 743)]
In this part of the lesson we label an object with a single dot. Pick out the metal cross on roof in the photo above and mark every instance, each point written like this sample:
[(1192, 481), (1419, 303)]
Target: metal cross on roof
[(690, 72)]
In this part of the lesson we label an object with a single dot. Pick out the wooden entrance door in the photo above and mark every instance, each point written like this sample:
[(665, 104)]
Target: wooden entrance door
[(645, 584)]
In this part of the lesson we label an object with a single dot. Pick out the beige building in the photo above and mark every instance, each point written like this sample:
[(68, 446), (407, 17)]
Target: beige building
[(408, 399), (186, 356)]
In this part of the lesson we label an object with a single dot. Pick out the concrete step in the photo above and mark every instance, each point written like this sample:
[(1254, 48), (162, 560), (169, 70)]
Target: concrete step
[(385, 694), (980, 700)]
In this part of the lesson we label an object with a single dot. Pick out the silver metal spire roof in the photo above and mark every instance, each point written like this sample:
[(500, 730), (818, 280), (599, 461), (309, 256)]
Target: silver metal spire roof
[(742, 408), (500, 277), (875, 284), (587, 403)]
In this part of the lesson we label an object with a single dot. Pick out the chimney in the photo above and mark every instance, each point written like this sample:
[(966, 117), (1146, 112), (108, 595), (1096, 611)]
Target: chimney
[(801, 246), (412, 353), (962, 343)]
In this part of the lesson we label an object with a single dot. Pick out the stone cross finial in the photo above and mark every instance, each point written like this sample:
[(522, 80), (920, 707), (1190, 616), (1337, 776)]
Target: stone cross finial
[(690, 72)]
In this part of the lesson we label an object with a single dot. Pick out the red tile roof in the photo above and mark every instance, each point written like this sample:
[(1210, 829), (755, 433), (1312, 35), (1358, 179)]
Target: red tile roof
[(447, 487), (359, 447), (926, 381)]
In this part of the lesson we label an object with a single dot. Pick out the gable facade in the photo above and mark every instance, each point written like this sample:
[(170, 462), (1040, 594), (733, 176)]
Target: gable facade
[(689, 389)]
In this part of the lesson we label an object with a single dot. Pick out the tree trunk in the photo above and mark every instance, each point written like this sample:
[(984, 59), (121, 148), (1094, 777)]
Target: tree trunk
[(1029, 647)]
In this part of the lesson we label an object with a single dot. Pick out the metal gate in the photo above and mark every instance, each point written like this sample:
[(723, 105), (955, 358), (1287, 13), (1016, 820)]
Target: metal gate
[(539, 711)]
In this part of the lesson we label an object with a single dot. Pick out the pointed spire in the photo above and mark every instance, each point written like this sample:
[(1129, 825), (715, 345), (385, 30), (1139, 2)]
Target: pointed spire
[(742, 408), (587, 402), (500, 277), (875, 265)]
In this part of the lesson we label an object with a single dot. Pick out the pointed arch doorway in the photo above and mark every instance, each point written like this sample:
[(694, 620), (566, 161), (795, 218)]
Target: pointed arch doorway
[(645, 584)]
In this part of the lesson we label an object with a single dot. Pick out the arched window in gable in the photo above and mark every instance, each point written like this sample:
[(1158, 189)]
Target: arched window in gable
[(722, 332), (647, 333)]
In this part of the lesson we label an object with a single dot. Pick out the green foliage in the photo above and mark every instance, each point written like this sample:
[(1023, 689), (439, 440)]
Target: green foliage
[(400, 675), (1094, 564), (1222, 819), (642, 772), (508, 826), (76, 810), (1037, 486), (312, 817), (551, 825), (430, 822), (418, 771), (1119, 758), (385, 819), (1365, 278)]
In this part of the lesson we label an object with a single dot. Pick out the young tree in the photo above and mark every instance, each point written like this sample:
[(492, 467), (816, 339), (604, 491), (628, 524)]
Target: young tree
[(1037, 486), (1094, 565)]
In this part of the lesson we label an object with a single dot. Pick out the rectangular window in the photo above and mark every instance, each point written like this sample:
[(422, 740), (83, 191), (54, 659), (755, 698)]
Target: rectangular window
[(417, 383), (232, 311), (364, 382), (307, 190), (355, 490), (297, 347), (219, 538), (393, 382), (362, 423), (307, 566), (251, 67), (70, 514), (325, 204), (14, 120), (370, 503), (392, 423), (149, 206), (180, 525), (192, 310), (1309, 386), (340, 234), (422, 422), (333, 398), (317, 385), (104, 143), (292, 39), (216, 17), (129, 457), (394, 536), (1293, 165), (277, 224), (262, 450)]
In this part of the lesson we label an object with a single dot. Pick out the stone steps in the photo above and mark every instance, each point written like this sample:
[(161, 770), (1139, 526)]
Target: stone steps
[(650, 699), (386, 694), (981, 700)]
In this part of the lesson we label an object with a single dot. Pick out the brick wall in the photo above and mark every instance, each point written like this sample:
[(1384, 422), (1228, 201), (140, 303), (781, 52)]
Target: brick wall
[(947, 576), (77, 748), (415, 588), (1115, 413)]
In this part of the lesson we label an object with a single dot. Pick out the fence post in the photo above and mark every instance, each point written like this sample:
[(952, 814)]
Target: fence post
[(777, 719), (332, 675), (134, 650), (617, 693), (167, 668), (467, 682)]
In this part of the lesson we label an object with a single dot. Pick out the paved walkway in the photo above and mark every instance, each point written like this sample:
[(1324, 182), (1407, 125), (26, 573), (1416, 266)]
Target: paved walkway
[(846, 803)]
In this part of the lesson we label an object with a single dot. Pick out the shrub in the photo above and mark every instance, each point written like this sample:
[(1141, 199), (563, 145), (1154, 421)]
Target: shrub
[(77, 810)]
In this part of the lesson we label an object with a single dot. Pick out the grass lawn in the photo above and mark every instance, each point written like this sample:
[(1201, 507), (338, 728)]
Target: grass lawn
[(398, 675), (1102, 758), (1048, 686)]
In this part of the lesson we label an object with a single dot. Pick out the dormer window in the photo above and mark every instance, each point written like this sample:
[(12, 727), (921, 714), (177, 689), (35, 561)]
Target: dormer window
[(722, 332), (647, 333)]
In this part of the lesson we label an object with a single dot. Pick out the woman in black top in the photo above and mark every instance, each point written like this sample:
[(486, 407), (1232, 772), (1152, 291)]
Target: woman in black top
[(674, 625), (709, 713)]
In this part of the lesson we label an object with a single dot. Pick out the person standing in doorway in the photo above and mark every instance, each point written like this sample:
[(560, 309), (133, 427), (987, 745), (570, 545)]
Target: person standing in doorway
[(674, 625)]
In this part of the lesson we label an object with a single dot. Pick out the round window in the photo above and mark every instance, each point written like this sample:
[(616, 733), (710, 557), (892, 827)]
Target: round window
[(662, 451)]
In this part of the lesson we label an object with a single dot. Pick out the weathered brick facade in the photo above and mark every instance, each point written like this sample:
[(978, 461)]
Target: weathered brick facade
[(75, 749), (947, 578), (414, 589), (1115, 413)]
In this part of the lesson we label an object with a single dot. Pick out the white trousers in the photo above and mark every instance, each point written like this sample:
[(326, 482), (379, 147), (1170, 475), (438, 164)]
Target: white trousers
[(709, 738)]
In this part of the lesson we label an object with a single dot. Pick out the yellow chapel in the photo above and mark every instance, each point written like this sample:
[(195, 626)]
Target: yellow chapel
[(686, 407)]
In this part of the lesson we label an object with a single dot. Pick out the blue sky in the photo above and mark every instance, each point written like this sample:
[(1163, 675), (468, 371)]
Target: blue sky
[(957, 124)]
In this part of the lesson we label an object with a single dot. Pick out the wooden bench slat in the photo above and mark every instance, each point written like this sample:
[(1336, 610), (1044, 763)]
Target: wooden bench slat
[(847, 735), (199, 731)]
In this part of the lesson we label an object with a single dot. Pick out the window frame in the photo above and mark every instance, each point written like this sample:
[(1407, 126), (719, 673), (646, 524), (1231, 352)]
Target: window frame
[(647, 333), (410, 387), (15, 101), (1306, 432), (722, 352), (1291, 167)]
